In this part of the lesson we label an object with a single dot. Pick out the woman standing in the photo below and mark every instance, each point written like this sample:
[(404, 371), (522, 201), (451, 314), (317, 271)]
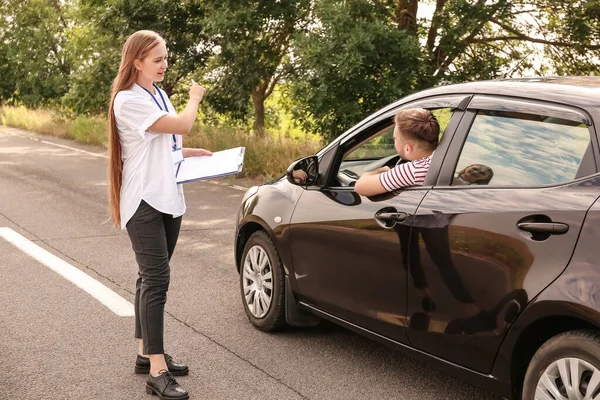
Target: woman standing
[(144, 150)]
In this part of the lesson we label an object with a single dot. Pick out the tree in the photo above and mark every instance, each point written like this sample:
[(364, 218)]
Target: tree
[(32, 51), (7, 83), (463, 40), (101, 30), (252, 41), (479, 39), (353, 62)]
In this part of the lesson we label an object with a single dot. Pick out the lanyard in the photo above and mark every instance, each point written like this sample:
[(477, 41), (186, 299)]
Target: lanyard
[(158, 104)]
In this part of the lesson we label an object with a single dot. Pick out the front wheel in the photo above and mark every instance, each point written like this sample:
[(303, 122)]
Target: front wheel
[(566, 367), (262, 283)]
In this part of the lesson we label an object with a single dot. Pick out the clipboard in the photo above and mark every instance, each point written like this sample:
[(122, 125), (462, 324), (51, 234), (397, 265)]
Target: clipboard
[(221, 163)]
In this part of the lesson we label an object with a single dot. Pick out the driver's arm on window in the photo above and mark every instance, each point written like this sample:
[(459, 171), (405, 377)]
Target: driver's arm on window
[(385, 180), (369, 183)]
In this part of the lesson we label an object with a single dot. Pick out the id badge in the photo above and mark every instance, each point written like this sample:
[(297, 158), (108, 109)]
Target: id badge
[(177, 155)]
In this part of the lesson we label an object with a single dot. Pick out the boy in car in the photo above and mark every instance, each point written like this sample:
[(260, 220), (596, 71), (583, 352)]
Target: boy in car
[(416, 138)]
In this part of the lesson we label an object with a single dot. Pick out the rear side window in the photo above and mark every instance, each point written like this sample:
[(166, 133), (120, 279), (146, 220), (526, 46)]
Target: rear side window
[(515, 149)]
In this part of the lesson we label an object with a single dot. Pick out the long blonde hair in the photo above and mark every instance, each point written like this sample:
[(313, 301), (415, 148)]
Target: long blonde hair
[(137, 47)]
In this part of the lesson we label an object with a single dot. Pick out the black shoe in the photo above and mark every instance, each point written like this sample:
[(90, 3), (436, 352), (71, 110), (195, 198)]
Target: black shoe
[(428, 304), (165, 387), (420, 321), (513, 309), (142, 366), (484, 321)]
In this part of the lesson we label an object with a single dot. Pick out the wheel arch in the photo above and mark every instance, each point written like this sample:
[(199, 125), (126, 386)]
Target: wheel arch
[(244, 233), (535, 336), (540, 322)]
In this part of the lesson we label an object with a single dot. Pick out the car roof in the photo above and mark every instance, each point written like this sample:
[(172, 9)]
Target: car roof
[(583, 91), (579, 91)]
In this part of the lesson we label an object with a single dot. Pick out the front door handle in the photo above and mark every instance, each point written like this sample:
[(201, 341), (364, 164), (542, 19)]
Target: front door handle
[(555, 228), (392, 216), (389, 216)]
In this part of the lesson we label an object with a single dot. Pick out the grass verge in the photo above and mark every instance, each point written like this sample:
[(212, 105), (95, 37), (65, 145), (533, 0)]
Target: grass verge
[(266, 157)]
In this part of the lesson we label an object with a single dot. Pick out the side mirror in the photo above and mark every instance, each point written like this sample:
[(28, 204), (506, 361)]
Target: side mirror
[(303, 172)]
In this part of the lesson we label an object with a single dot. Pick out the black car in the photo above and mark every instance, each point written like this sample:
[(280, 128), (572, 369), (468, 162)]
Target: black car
[(490, 270)]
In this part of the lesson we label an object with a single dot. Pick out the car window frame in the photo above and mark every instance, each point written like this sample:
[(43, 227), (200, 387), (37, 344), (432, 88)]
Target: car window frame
[(482, 102), (457, 102)]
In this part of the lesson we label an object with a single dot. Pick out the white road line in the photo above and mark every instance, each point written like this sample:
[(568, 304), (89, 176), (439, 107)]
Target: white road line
[(59, 145), (104, 295)]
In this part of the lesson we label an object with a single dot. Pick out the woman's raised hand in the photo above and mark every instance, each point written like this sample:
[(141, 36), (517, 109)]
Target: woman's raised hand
[(197, 91)]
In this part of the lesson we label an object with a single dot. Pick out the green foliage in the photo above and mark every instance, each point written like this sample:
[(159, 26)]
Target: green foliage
[(334, 61), (89, 91), (89, 130), (252, 42), (32, 41), (41, 120), (266, 158), (483, 40), (352, 63), (84, 129), (101, 30), (443, 116), (360, 55), (576, 26)]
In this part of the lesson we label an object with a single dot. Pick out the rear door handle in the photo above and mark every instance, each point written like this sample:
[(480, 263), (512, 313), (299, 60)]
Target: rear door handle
[(555, 228)]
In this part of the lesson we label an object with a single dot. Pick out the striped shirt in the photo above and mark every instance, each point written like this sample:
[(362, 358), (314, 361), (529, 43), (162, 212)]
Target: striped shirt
[(407, 174)]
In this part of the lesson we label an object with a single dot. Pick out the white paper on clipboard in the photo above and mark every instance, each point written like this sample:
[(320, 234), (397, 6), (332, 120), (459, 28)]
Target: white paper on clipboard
[(221, 163)]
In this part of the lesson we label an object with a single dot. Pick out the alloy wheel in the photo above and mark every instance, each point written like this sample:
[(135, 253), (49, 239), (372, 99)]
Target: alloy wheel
[(257, 281), (569, 379)]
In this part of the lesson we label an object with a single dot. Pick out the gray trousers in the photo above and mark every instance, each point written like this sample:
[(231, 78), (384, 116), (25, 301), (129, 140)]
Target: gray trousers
[(153, 238)]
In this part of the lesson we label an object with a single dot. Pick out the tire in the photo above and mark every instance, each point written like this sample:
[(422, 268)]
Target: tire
[(263, 295), (579, 349)]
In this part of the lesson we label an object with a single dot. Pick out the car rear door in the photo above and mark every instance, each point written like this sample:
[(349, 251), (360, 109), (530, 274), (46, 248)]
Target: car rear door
[(345, 262), (500, 224)]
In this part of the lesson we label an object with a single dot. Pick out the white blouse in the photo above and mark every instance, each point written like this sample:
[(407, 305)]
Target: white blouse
[(148, 170)]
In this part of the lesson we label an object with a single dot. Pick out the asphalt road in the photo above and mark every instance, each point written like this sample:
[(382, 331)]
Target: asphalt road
[(58, 342)]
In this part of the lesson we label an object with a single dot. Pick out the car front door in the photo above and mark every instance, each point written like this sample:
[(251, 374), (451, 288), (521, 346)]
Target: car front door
[(499, 226), (345, 261)]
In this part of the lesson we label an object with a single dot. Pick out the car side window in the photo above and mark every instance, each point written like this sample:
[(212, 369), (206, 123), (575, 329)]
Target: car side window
[(515, 149), (379, 146), (367, 155), (379, 150), (382, 144)]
